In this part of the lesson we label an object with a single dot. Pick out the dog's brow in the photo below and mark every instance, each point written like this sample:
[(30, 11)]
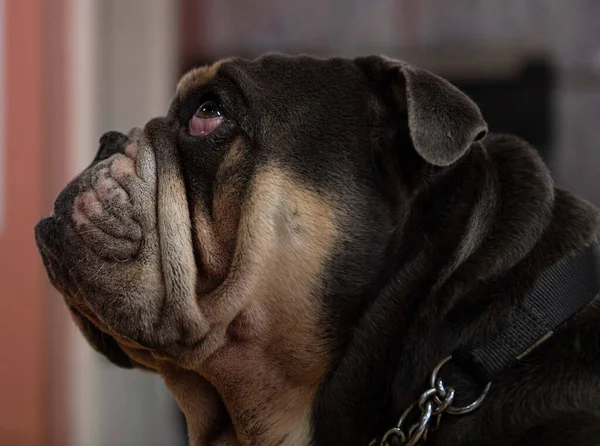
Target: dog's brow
[(230, 73), (197, 77)]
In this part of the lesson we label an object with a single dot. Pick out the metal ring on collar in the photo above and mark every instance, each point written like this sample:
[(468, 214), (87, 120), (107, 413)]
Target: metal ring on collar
[(453, 410)]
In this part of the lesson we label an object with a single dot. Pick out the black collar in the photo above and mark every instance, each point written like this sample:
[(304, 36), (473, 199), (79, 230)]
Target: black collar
[(558, 294)]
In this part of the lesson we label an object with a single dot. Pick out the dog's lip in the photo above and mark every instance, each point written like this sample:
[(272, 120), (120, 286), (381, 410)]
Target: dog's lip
[(46, 237), (43, 230)]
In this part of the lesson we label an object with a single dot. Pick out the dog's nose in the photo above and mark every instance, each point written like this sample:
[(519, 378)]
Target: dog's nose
[(117, 142), (110, 144)]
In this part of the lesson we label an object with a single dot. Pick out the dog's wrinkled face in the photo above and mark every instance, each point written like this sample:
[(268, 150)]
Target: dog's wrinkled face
[(225, 234)]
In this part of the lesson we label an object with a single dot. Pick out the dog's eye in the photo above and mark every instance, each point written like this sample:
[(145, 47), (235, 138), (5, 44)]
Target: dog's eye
[(207, 118), (209, 110)]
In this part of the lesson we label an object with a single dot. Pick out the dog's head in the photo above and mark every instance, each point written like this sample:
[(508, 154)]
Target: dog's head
[(257, 208)]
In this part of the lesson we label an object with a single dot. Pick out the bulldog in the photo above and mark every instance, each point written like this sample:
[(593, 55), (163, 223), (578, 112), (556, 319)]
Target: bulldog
[(299, 242)]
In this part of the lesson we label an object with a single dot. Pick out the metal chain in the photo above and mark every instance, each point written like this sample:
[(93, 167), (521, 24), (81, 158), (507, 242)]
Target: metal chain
[(430, 406)]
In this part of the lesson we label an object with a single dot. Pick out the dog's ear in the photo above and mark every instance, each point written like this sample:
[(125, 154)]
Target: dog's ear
[(443, 121)]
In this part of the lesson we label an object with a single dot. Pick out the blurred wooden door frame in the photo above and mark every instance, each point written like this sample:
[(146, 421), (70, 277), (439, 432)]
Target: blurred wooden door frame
[(33, 338), (23, 364)]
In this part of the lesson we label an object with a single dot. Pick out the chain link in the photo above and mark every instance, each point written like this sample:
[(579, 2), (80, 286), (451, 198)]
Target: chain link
[(431, 404)]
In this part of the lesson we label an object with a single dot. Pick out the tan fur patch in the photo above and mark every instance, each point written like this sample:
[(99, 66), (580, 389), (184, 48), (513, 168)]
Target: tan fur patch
[(267, 354), (197, 77), (232, 158), (215, 238), (283, 225)]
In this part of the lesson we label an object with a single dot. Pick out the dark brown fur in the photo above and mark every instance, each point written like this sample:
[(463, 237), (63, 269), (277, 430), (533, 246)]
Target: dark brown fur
[(295, 275)]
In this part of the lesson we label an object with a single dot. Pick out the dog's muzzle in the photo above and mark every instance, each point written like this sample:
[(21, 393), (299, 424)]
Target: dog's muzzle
[(101, 213)]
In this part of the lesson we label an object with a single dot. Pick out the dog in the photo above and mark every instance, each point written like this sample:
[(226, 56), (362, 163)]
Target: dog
[(297, 244)]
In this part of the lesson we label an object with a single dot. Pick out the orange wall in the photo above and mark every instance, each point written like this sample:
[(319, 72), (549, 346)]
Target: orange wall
[(22, 286)]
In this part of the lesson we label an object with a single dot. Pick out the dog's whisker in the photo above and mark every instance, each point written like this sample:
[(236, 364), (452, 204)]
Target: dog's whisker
[(98, 271)]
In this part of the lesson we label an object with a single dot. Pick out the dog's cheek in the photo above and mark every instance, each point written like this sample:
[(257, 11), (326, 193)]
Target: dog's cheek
[(215, 203)]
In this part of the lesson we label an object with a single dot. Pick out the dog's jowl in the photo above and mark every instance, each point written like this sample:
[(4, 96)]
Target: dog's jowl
[(299, 242)]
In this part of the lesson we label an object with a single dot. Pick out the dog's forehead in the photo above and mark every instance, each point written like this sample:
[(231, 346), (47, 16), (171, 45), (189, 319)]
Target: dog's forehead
[(263, 69)]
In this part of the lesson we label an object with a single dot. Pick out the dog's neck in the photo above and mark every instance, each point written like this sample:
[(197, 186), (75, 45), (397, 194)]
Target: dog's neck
[(206, 416), (477, 220)]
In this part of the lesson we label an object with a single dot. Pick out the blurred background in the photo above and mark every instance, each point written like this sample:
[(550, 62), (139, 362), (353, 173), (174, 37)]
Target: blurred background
[(72, 69)]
